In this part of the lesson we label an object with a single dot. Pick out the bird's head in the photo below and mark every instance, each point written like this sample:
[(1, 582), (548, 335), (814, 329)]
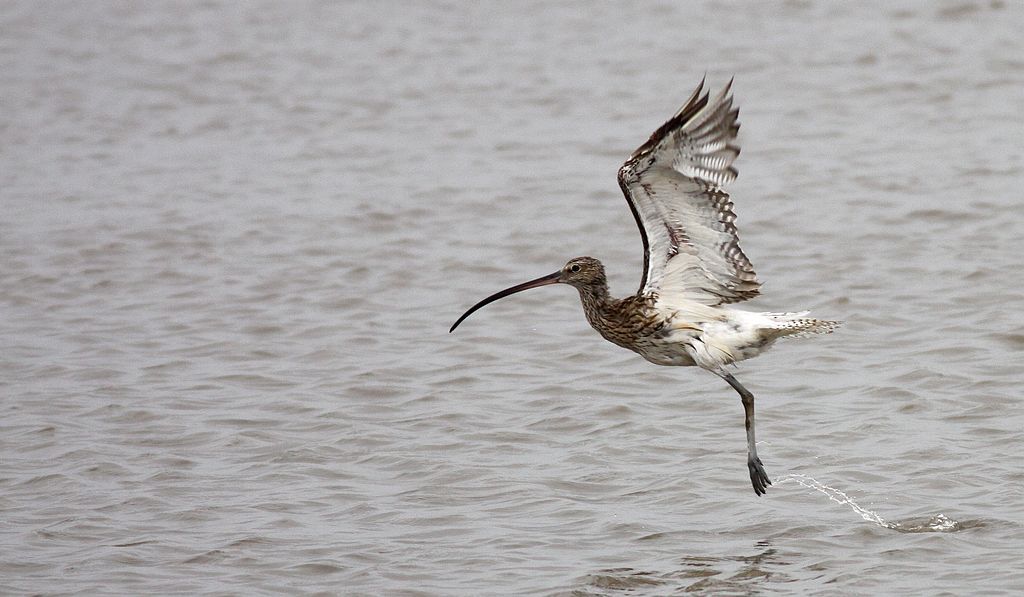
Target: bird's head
[(581, 272), (578, 272)]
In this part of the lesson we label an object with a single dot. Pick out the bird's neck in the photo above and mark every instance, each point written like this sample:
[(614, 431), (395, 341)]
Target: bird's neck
[(596, 299)]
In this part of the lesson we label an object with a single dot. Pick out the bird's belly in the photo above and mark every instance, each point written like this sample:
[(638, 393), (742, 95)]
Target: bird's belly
[(665, 351), (709, 348)]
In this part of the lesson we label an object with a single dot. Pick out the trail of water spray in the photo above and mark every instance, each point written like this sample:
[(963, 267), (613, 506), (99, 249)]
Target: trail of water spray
[(939, 523), (839, 497)]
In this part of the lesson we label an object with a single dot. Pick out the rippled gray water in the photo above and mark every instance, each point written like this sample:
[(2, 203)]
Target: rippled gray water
[(233, 237)]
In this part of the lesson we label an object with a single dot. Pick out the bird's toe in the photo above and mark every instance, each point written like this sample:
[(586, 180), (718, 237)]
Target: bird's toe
[(758, 477)]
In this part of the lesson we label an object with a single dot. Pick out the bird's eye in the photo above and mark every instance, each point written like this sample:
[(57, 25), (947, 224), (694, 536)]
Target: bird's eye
[(575, 268)]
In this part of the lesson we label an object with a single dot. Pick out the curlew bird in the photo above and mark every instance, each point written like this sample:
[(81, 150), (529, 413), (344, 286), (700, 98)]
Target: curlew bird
[(693, 264)]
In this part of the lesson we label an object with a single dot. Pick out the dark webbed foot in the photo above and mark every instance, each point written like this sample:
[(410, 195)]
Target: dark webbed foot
[(758, 478)]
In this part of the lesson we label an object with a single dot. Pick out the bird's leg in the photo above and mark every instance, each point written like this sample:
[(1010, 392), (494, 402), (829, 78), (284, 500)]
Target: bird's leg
[(758, 478)]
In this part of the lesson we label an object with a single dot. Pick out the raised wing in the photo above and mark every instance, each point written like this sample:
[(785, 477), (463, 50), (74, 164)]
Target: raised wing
[(673, 184)]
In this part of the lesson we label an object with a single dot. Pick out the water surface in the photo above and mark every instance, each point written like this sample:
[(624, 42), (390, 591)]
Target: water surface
[(234, 237)]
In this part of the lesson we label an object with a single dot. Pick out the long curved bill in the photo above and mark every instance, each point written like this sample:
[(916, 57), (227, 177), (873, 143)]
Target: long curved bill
[(543, 281)]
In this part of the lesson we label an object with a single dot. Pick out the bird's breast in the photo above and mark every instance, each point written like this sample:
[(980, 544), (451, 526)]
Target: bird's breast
[(647, 331)]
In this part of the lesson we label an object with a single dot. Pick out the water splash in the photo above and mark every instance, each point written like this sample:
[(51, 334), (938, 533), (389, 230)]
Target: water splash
[(939, 523), (837, 496)]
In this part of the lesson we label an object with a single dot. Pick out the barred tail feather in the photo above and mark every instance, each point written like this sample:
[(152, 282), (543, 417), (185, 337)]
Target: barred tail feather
[(796, 325)]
